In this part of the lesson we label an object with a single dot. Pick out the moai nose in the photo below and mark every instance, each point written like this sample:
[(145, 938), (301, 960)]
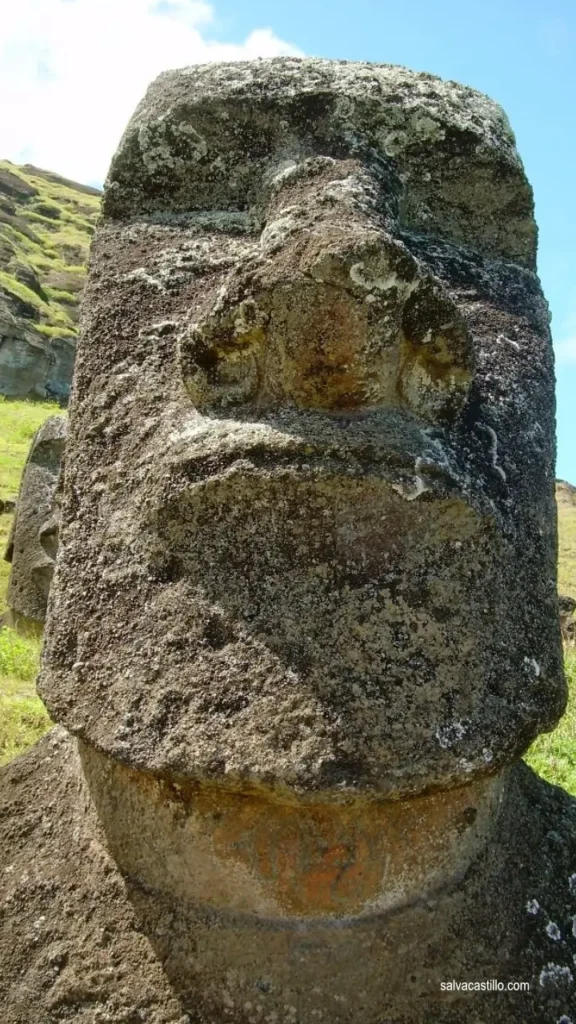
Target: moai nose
[(335, 315)]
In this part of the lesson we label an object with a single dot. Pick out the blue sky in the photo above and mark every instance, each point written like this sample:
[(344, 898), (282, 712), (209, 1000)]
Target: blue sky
[(74, 70)]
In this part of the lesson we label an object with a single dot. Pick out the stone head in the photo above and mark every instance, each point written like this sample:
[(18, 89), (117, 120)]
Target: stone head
[(33, 539), (309, 524)]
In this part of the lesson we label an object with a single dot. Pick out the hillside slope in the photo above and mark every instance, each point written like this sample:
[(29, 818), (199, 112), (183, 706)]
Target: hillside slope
[(46, 224), (566, 502)]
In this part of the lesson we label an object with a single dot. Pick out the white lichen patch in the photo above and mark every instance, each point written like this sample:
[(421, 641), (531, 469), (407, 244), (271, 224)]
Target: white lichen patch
[(448, 735), (156, 140), (553, 932), (508, 341), (534, 665), (425, 128), (412, 491), (555, 974), (142, 275), (572, 883), (380, 282), (291, 170), (494, 451), (532, 907), (277, 232)]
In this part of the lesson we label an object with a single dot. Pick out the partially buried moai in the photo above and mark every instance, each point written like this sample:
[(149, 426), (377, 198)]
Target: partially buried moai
[(33, 540), (305, 617)]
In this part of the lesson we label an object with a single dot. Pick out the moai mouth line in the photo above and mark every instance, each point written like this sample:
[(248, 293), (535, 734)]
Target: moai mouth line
[(364, 566), (253, 850)]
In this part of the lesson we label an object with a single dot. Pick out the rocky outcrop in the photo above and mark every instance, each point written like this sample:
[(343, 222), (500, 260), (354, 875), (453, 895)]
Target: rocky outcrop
[(33, 540), (46, 223), (31, 365), (305, 619)]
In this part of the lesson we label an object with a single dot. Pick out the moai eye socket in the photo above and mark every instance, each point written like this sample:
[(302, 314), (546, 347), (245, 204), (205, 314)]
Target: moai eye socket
[(220, 357), (436, 354)]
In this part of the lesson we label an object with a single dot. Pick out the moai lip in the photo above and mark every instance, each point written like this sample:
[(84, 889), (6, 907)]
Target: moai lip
[(33, 539)]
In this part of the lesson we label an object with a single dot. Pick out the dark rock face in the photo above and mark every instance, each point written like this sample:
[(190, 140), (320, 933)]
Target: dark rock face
[(30, 365), (304, 620), (33, 540)]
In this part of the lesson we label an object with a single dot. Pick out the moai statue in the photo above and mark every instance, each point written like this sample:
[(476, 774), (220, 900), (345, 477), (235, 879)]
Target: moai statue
[(566, 608), (33, 539), (304, 621)]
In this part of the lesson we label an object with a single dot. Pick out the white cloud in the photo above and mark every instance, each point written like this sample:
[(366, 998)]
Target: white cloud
[(72, 72)]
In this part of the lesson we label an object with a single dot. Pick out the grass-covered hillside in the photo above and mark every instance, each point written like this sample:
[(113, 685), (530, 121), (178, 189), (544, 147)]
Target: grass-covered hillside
[(23, 718), (566, 501), (46, 224)]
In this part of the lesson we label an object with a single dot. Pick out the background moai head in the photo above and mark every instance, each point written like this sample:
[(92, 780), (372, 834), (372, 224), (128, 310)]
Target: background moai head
[(309, 522), (33, 540)]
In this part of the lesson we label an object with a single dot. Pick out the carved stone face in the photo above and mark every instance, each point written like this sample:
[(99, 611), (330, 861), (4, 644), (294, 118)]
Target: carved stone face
[(309, 529), (33, 540)]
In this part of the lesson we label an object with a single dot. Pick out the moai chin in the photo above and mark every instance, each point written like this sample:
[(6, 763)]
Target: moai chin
[(305, 614), (33, 541)]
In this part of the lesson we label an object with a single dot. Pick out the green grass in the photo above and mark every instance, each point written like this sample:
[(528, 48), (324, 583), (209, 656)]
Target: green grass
[(59, 295), (567, 548), (553, 755), (23, 717), (21, 291), (55, 332), (51, 245)]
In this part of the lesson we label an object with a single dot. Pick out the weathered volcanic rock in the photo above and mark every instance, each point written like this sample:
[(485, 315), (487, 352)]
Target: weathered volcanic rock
[(304, 621), (33, 540)]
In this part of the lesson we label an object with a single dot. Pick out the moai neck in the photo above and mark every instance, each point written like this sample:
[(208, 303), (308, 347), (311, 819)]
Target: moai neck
[(280, 857)]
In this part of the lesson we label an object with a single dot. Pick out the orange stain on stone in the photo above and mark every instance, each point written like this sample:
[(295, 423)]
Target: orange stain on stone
[(324, 362), (325, 859)]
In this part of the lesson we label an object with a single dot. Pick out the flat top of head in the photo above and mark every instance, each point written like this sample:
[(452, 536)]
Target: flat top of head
[(209, 137)]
